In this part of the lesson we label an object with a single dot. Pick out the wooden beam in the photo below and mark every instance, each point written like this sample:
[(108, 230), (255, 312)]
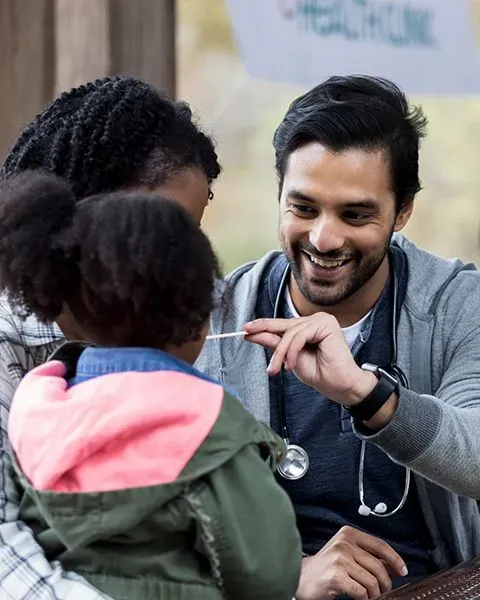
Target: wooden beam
[(26, 64), (143, 40), (82, 42), (95, 38)]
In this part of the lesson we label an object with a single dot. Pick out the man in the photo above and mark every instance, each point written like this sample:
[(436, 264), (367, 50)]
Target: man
[(368, 454)]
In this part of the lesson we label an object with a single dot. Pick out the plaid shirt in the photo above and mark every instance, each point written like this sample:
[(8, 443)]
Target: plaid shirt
[(25, 573)]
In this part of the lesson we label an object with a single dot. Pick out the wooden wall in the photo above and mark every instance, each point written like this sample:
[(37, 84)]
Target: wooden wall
[(47, 46)]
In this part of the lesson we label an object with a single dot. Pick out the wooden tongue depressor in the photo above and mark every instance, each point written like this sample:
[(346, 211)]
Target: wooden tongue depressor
[(217, 336)]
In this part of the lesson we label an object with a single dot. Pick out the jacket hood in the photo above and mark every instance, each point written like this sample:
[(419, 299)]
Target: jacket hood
[(113, 432), (110, 456)]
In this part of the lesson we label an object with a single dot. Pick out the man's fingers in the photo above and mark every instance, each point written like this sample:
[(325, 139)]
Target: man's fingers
[(389, 556), (265, 339), (376, 568), (283, 349), (346, 586), (292, 344), (381, 550), (299, 339), (365, 579), (270, 325), (278, 358)]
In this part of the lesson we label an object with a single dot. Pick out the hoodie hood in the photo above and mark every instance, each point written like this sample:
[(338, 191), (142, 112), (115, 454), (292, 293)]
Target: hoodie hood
[(430, 276), (109, 456), (113, 432)]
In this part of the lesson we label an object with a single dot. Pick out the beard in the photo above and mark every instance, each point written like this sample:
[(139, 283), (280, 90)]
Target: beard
[(329, 293)]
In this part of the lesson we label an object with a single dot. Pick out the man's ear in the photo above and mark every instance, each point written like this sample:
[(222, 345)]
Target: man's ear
[(403, 215)]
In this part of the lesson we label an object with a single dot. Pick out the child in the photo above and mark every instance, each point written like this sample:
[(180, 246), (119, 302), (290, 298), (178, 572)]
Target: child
[(143, 475)]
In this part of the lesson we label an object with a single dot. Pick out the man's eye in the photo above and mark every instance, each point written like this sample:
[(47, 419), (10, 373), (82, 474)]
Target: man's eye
[(303, 210), (355, 217)]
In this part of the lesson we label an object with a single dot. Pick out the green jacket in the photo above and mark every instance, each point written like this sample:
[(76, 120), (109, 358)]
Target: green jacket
[(222, 529)]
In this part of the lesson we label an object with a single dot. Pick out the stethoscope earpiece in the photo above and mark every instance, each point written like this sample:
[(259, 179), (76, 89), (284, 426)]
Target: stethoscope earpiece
[(378, 511), (364, 510), (381, 508)]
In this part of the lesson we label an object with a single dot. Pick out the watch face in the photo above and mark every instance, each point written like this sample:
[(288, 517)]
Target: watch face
[(389, 373)]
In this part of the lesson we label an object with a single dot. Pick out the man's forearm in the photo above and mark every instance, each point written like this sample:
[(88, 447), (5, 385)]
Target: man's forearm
[(437, 440)]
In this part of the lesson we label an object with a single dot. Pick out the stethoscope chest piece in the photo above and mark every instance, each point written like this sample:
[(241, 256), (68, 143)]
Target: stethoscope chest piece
[(295, 464)]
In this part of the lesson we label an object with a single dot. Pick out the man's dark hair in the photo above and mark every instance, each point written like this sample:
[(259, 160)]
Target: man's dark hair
[(113, 133), (357, 111), (133, 269)]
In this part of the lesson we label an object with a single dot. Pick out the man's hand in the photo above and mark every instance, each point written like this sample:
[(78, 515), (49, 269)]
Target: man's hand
[(354, 564), (314, 348)]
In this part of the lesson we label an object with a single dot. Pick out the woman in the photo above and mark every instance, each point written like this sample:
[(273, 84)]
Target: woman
[(111, 134), (141, 474)]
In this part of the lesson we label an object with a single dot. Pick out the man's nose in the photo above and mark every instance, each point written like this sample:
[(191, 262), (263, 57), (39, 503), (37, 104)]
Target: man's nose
[(326, 235)]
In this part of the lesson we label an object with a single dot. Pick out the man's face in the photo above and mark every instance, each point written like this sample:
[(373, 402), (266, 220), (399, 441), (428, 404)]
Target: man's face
[(337, 215)]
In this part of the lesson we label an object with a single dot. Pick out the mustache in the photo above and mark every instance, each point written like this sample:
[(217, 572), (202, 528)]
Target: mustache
[(331, 255)]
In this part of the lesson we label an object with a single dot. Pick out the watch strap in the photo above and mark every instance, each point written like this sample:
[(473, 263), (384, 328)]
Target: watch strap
[(369, 406)]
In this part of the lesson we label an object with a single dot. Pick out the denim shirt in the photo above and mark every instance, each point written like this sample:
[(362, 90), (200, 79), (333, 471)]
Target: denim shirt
[(94, 362)]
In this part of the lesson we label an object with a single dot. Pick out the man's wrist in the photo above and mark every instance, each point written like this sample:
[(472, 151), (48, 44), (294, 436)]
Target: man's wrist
[(384, 415), (375, 409), (365, 384)]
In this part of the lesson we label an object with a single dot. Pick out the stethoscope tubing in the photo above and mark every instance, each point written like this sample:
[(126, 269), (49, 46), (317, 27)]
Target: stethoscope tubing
[(284, 432)]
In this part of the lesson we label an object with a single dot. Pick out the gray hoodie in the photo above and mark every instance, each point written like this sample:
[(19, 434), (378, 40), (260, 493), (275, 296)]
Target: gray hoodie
[(436, 428)]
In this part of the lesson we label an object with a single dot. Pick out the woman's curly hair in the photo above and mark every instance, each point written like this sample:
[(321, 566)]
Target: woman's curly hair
[(113, 133)]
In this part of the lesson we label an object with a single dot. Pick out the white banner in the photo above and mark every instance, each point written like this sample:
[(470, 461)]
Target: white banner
[(425, 46)]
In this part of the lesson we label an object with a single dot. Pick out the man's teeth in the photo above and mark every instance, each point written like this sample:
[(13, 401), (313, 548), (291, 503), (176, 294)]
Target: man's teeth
[(327, 264)]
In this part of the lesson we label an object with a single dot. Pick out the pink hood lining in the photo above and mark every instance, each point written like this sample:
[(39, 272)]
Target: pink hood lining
[(113, 432)]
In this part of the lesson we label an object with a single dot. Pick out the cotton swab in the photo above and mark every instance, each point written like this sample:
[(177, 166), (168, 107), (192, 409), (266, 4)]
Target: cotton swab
[(218, 336)]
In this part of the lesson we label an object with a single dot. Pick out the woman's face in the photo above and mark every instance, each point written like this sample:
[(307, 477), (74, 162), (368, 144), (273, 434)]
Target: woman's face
[(190, 189)]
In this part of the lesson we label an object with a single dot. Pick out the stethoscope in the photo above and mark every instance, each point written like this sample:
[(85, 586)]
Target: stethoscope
[(296, 461)]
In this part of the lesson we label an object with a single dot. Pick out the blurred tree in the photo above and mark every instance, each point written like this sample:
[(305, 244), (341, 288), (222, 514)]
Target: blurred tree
[(475, 12), (211, 23)]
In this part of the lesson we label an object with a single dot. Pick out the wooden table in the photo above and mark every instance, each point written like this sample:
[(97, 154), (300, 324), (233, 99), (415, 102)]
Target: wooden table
[(460, 583)]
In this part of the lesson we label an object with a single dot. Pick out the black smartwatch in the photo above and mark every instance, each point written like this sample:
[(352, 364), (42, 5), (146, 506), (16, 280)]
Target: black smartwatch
[(369, 406)]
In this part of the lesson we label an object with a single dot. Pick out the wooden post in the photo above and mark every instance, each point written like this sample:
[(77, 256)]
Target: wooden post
[(95, 38), (143, 40), (26, 64), (81, 42), (47, 46)]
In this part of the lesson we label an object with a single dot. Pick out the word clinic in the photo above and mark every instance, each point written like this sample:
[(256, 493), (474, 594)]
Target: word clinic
[(392, 23)]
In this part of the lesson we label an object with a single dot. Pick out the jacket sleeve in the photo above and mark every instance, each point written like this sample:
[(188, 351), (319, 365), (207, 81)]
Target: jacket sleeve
[(249, 530), (25, 573), (437, 436)]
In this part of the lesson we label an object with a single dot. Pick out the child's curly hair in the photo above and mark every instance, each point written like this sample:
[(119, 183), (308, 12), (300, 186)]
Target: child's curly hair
[(134, 269)]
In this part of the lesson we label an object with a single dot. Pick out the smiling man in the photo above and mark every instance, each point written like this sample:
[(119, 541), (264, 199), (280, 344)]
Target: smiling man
[(367, 350)]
